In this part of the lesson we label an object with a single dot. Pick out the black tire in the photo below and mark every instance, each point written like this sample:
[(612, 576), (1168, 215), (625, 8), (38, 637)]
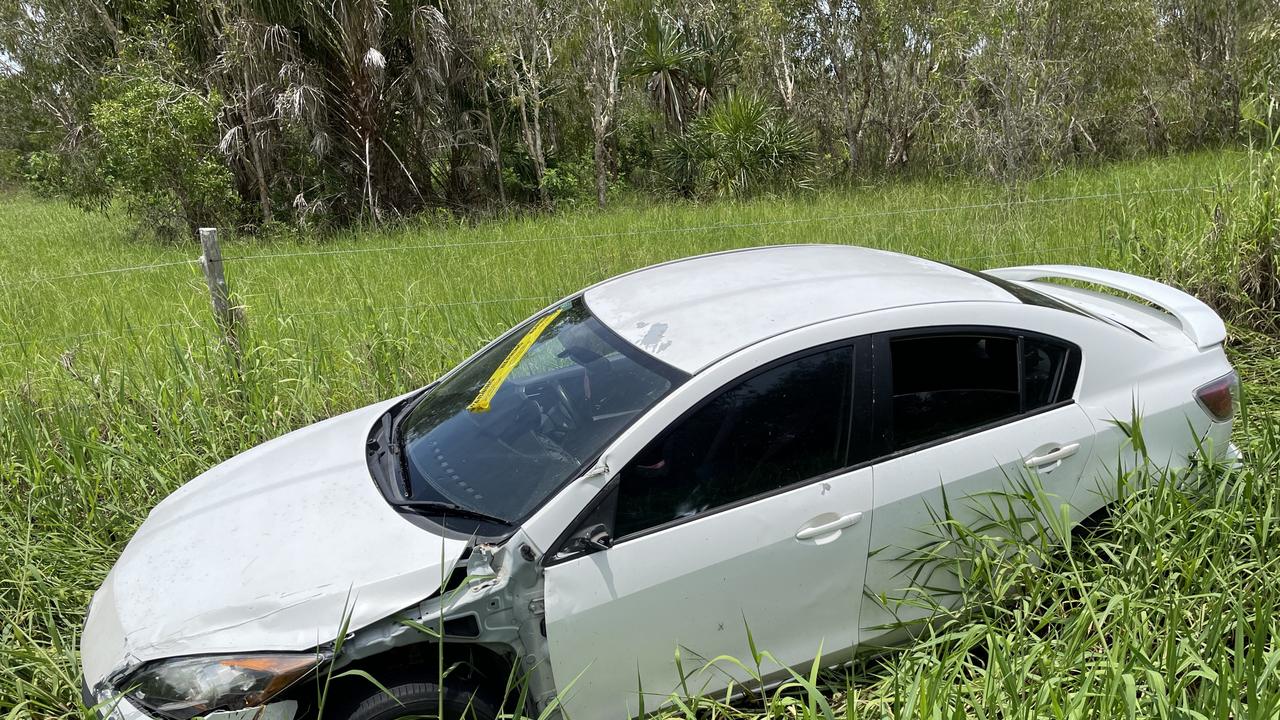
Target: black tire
[(1092, 525), (462, 701)]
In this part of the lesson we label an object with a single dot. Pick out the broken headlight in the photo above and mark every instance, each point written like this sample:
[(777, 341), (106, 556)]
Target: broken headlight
[(183, 688)]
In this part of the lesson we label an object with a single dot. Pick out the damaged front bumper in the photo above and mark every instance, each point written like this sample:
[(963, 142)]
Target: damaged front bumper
[(118, 707), (496, 605), (110, 707)]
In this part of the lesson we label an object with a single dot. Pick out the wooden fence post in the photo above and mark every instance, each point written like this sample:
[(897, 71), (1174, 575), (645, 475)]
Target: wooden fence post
[(211, 262)]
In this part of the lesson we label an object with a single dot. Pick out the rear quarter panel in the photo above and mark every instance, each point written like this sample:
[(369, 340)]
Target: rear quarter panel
[(1139, 390)]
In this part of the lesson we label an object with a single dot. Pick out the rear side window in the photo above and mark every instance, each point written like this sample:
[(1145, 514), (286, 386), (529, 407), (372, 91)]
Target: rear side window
[(947, 384), (775, 429), (1048, 372)]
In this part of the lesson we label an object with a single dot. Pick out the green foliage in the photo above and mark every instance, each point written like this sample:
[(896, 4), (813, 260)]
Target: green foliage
[(1261, 109), (114, 390), (345, 112), (661, 59), (43, 172), (567, 183), (159, 141), (60, 174), (740, 147), (634, 143), (10, 166), (1234, 263)]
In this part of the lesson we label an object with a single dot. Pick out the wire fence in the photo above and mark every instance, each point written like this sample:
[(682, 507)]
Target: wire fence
[(679, 230), (355, 306), (710, 228)]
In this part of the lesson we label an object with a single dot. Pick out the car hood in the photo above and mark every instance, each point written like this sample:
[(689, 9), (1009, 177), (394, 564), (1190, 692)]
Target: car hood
[(270, 550)]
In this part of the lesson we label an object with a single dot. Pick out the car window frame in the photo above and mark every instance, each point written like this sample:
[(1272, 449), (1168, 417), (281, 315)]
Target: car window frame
[(860, 428), (432, 523), (882, 383)]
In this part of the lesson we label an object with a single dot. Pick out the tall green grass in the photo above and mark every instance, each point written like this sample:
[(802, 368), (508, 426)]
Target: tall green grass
[(115, 389), (1165, 609)]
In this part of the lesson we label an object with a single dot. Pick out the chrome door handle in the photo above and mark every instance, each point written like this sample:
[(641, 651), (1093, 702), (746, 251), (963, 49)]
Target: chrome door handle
[(1052, 456), (826, 528)]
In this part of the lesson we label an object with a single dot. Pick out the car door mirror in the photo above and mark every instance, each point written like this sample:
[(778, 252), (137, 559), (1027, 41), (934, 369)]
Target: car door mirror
[(592, 539), (593, 531)]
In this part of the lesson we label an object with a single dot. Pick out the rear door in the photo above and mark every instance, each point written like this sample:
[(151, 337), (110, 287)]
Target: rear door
[(746, 513), (962, 415)]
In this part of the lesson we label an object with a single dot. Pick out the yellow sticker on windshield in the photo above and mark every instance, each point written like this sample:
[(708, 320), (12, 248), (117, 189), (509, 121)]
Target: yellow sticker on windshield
[(481, 403)]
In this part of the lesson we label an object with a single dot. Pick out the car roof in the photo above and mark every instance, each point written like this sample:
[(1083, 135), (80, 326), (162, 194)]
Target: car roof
[(691, 312)]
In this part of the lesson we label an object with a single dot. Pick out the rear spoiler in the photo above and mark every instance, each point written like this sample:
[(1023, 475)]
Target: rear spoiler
[(1198, 321)]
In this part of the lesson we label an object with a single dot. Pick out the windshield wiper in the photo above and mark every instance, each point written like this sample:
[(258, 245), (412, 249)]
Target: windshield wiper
[(448, 508), (395, 440), (385, 461)]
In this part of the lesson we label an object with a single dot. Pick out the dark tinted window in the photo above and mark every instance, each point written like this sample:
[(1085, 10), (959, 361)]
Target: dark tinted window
[(779, 427), (1048, 373), (1027, 295), (943, 385), (1030, 296), (504, 431)]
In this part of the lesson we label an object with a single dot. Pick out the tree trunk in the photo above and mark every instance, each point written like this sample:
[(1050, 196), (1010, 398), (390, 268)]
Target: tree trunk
[(525, 78), (539, 160), (495, 145), (532, 132), (264, 195), (853, 127), (602, 170)]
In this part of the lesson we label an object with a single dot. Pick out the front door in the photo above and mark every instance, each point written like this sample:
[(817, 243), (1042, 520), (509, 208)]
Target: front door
[(747, 516)]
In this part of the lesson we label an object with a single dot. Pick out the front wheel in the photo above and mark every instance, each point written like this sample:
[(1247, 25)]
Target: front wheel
[(461, 701)]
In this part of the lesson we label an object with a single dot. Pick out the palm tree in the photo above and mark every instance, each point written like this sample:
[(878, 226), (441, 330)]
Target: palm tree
[(712, 67), (663, 58)]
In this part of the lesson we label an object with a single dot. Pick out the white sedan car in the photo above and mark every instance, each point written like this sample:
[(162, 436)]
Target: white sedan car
[(654, 463)]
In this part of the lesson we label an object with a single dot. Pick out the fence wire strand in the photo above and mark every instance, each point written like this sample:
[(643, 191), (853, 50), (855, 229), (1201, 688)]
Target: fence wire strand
[(93, 273), (129, 331), (355, 306), (716, 226), (616, 234)]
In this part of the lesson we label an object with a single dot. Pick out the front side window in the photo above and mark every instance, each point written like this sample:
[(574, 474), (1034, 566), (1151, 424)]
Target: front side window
[(947, 384), (505, 431), (777, 428)]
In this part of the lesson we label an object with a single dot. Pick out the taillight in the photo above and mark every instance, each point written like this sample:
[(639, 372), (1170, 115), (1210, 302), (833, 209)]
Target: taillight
[(1218, 398)]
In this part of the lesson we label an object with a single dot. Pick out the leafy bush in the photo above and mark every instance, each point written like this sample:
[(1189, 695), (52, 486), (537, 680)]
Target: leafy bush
[(568, 183), (10, 166), (159, 143), (71, 174), (741, 146)]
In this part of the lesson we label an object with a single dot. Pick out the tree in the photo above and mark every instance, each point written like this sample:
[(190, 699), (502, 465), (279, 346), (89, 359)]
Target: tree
[(661, 57), (348, 111), (523, 31), (741, 146), (602, 55), (843, 50), (160, 153)]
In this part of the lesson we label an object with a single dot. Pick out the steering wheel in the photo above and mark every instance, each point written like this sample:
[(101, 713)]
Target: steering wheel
[(569, 419)]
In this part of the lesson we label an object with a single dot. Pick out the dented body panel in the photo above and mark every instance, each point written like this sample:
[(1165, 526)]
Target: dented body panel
[(267, 551), (275, 549)]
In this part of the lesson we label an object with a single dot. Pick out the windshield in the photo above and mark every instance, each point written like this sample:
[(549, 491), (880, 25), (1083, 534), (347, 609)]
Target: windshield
[(504, 431)]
